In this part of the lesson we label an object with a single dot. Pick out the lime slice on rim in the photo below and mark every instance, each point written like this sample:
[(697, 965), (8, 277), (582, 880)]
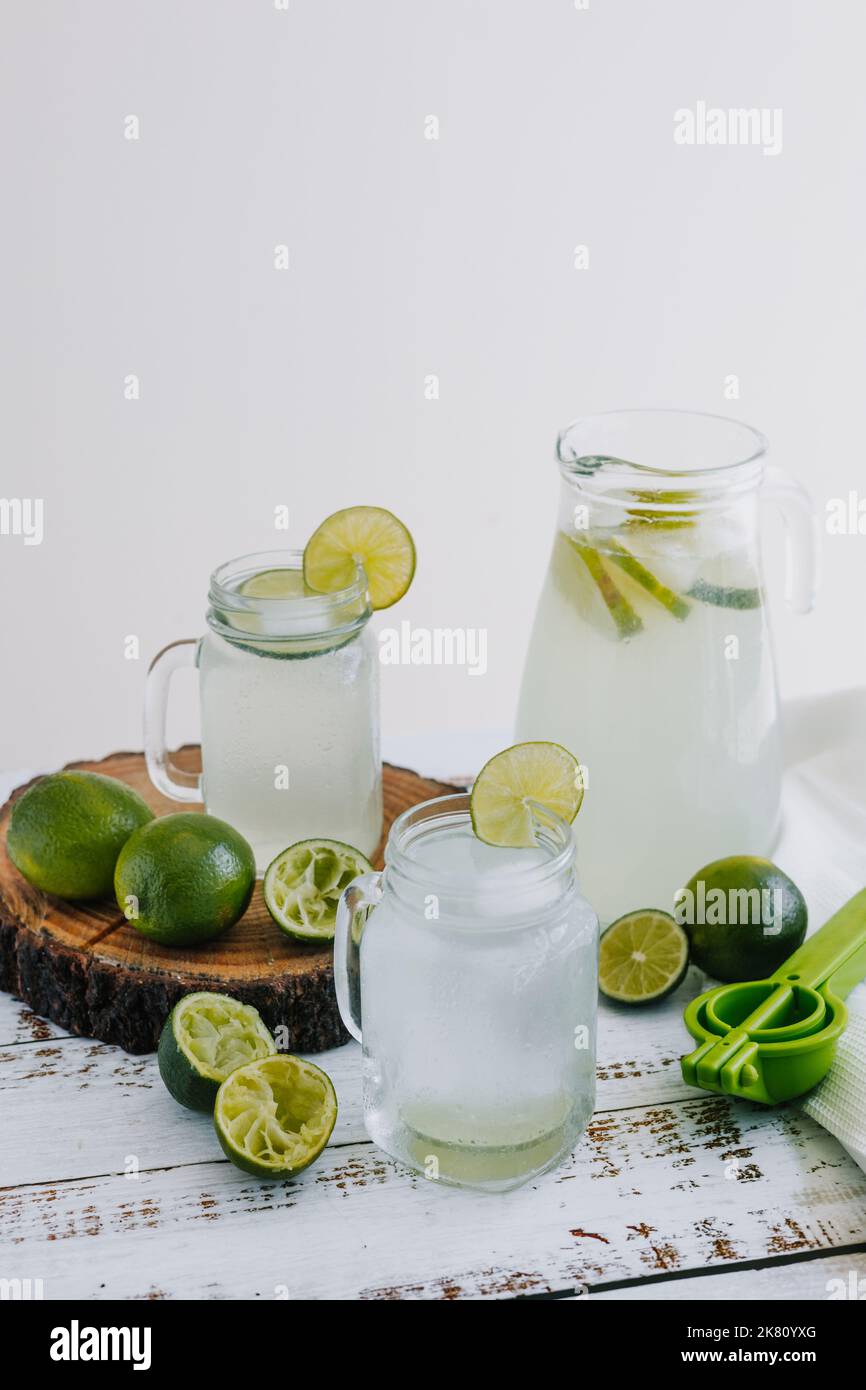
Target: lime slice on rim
[(303, 886), (516, 785), (642, 957), (370, 536), (204, 1039), (273, 1117)]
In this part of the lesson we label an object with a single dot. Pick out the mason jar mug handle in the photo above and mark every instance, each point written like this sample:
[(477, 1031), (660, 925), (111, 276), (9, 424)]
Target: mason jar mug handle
[(173, 781), (352, 911), (801, 537)]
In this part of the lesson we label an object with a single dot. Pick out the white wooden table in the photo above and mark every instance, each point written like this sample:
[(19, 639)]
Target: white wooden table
[(108, 1189)]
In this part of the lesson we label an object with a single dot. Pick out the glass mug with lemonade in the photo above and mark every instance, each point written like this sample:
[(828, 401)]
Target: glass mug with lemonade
[(289, 688), (467, 970)]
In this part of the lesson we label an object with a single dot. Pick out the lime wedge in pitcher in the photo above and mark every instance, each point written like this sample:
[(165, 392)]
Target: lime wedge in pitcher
[(303, 886), (370, 536), (274, 1117), (204, 1039), (516, 784)]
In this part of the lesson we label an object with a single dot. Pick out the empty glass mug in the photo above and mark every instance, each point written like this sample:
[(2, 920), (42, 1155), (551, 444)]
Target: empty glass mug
[(289, 691), (469, 975), (650, 657)]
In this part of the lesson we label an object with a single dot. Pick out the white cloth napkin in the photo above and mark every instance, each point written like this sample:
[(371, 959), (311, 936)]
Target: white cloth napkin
[(823, 848), (839, 1101)]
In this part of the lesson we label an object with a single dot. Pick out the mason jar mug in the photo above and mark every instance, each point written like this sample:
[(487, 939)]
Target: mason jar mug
[(289, 699), (469, 975)]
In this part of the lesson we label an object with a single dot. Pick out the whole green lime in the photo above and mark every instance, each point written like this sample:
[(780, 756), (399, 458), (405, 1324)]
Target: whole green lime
[(743, 917), (66, 832), (185, 879)]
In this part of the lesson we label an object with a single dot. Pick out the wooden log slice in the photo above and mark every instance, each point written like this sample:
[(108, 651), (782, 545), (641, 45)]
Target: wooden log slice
[(85, 967)]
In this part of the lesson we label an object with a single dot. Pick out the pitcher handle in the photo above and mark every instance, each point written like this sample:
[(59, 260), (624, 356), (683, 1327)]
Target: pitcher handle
[(173, 781), (362, 894), (801, 537)]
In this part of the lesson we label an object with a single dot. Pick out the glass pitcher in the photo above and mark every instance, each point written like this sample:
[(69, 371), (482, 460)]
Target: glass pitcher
[(289, 691), (650, 657), (474, 976)]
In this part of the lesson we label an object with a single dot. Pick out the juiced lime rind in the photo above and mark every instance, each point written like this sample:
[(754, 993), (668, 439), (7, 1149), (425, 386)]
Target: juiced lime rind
[(371, 536), (204, 1039), (273, 1117), (653, 935), (303, 885), (67, 830), (514, 785)]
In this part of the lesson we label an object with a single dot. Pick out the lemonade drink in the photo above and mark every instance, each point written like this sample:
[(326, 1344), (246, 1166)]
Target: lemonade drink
[(289, 690), (290, 746), (650, 659), (680, 740), (478, 1000)]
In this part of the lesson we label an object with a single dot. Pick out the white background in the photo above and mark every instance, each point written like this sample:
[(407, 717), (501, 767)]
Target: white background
[(407, 256)]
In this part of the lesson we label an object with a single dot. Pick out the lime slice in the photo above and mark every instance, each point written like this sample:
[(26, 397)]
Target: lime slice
[(721, 596), (273, 1117), (366, 535), (680, 513), (303, 885), (276, 583), (642, 957), (626, 619), (515, 785), (204, 1039), (631, 565)]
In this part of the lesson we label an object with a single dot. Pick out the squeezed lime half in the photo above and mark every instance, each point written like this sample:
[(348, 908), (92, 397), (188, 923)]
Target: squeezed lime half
[(303, 886), (204, 1039), (273, 1117)]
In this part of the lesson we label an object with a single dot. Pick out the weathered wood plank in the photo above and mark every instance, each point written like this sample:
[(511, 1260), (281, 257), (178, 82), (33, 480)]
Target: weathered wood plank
[(646, 1193), (116, 1105), (19, 1024), (655, 1190), (830, 1276)]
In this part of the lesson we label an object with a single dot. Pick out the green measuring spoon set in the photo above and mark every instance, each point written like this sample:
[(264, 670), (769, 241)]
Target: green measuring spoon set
[(771, 1040)]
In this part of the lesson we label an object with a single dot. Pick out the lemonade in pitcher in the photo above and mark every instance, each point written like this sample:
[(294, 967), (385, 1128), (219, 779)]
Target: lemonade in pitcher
[(650, 656)]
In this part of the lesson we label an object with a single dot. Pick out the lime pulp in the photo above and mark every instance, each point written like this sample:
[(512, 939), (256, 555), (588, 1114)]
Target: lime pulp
[(273, 1117), (303, 885)]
